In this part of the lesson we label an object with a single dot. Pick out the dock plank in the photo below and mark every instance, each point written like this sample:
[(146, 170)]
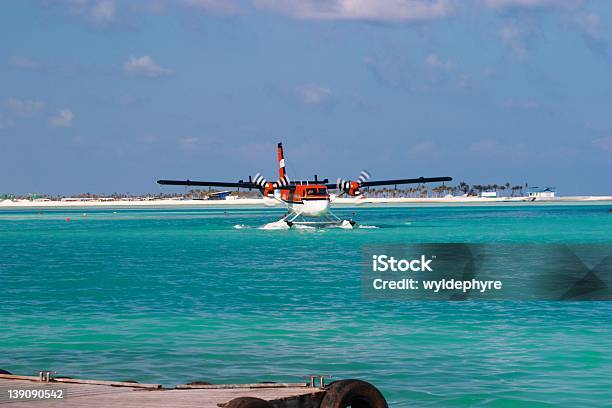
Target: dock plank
[(102, 396)]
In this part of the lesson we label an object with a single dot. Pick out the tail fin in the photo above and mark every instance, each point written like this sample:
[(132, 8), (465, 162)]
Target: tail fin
[(281, 162)]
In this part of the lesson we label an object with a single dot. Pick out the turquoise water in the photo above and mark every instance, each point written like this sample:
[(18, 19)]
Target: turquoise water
[(173, 296)]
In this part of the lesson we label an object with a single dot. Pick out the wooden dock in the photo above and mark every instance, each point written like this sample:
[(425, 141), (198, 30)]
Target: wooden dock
[(78, 393)]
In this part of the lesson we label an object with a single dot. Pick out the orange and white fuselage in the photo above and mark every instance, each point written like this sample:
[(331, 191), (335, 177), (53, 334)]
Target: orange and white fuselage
[(306, 199), (310, 200)]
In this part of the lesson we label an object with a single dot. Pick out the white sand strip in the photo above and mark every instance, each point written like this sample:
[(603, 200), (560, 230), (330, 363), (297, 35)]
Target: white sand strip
[(260, 203)]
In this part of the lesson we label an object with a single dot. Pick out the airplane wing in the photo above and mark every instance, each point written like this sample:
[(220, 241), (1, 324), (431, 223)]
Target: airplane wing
[(251, 185), (238, 184), (418, 180), (405, 181)]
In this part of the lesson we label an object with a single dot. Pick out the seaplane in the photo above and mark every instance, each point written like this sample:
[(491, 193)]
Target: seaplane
[(307, 201)]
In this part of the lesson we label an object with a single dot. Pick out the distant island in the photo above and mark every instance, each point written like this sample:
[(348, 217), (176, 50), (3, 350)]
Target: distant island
[(421, 191), (450, 194)]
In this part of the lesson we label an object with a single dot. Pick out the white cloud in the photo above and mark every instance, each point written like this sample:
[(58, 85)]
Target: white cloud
[(103, 11), (590, 24), (23, 63), (63, 118), (436, 62), (313, 94), (509, 150), (201, 143), (145, 66), (97, 11), (514, 38), (530, 3), (217, 6), (366, 10), (423, 147), (188, 143), (485, 146), (603, 143), (594, 31), (523, 105), (25, 107), (5, 122), (149, 138)]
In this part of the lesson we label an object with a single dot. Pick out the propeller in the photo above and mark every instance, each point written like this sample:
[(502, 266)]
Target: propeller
[(282, 182), (263, 183), (352, 187), (260, 180), (363, 176)]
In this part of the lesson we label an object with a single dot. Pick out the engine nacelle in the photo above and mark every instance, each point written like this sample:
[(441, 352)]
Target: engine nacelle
[(353, 189), (350, 187), (268, 190)]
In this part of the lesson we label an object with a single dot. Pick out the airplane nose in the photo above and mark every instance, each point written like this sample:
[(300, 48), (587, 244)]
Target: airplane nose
[(316, 208)]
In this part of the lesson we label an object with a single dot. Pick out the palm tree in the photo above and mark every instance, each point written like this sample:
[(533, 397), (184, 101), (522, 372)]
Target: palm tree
[(518, 189)]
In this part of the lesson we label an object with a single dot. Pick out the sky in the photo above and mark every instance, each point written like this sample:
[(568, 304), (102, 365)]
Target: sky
[(108, 96)]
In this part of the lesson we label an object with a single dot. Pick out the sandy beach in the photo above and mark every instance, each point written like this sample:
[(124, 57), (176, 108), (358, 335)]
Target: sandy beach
[(349, 202)]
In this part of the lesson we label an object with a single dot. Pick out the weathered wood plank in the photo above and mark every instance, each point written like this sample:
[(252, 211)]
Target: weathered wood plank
[(19, 377), (254, 385), (102, 395), (79, 381), (108, 383)]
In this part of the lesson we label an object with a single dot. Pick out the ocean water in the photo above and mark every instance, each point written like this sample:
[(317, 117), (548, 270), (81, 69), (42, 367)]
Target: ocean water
[(173, 296)]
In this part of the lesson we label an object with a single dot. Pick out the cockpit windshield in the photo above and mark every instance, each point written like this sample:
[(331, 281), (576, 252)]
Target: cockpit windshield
[(316, 191)]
